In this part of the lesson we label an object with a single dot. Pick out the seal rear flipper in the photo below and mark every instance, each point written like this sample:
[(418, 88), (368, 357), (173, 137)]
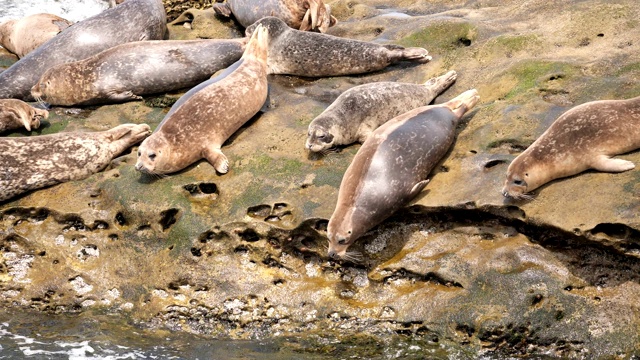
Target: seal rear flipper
[(417, 188), (222, 9), (440, 83), (217, 159), (399, 53), (607, 164)]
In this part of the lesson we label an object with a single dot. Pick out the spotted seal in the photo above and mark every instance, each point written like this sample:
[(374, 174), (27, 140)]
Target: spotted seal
[(304, 53), (133, 20), (362, 109), (30, 163), (203, 119), (391, 168), (127, 71), (585, 137), (15, 114), (21, 36), (298, 14)]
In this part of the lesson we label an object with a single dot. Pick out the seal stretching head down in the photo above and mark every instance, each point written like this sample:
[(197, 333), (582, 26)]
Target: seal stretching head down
[(391, 168), (16, 113), (585, 137)]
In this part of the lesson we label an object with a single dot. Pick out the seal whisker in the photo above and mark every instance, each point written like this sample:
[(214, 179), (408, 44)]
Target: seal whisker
[(353, 256)]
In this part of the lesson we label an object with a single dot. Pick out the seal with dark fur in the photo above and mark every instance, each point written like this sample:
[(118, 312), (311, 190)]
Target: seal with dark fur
[(304, 53), (15, 114), (203, 119), (360, 110), (133, 20), (30, 163), (585, 137), (22, 36), (391, 168), (127, 71)]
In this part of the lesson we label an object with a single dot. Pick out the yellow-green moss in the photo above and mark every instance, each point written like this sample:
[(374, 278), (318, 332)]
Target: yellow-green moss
[(532, 73), (442, 36)]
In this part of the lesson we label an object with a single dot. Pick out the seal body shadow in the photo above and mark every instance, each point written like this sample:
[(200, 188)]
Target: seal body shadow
[(585, 137), (133, 20), (22, 36), (391, 168), (15, 114), (126, 71), (30, 163)]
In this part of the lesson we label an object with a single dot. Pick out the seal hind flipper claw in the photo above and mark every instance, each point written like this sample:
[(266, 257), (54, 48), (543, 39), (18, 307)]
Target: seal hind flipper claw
[(418, 187), (607, 164), (217, 159)]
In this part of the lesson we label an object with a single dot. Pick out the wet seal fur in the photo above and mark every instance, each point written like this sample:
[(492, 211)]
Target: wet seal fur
[(30, 163), (391, 168), (22, 36), (585, 137), (357, 112), (133, 20), (309, 54), (203, 119), (15, 114), (298, 14), (126, 71)]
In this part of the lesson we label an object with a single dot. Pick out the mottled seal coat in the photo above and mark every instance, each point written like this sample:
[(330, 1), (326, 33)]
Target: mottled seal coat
[(133, 20), (24, 35), (15, 114), (391, 168), (298, 14), (360, 110), (203, 119), (30, 163), (585, 137), (127, 71), (304, 53)]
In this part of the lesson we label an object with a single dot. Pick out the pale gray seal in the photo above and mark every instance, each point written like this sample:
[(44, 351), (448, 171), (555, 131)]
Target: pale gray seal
[(133, 20), (21, 36), (30, 163), (298, 14), (585, 137), (310, 54), (127, 71), (201, 120), (15, 114), (362, 109), (391, 168)]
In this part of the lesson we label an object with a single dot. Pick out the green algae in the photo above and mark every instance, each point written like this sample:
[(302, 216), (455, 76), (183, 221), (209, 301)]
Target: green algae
[(442, 37), (533, 73)]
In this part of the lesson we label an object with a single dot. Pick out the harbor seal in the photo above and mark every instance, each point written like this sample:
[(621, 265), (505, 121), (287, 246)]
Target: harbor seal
[(15, 114), (30, 163), (298, 14), (391, 168), (133, 20), (585, 137), (309, 54), (21, 36), (127, 71), (203, 119), (360, 110)]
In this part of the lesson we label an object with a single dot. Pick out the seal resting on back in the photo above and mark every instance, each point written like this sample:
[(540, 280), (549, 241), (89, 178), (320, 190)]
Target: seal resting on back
[(585, 137), (203, 119), (127, 71), (391, 168), (362, 109), (30, 163), (304, 53), (25, 35), (16, 113), (133, 20), (298, 14)]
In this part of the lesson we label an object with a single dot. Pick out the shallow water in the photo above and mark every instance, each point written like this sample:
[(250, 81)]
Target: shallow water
[(73, 10)]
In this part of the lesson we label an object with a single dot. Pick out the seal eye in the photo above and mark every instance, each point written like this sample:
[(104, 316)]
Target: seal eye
[(139, 153), (342, 241), (518, 182), (152, 156)]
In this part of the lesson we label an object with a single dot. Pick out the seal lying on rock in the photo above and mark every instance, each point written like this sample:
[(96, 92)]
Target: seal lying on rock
[(309, 54), (391, 168), (133, 20), (16, 113), (25, 35), (298, 14), (203, 119), (362, 109), (129, 70), (585, 137), (30, 163)]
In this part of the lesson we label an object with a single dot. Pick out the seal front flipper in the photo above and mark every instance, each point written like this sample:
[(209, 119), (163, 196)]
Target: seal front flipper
[(123, 96), (222, 9), (216, 158), (417, 188), (607, 164)]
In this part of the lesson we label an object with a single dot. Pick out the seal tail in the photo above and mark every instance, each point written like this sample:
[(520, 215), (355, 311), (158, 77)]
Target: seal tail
[(399, 53)]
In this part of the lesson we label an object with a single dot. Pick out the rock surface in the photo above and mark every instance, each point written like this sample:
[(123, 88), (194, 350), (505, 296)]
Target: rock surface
[(461, 272)]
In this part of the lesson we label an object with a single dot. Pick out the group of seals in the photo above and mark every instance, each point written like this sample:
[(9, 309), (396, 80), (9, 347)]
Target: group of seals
[(201, 120), (391, 168), (15, 114), (25, 35)]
